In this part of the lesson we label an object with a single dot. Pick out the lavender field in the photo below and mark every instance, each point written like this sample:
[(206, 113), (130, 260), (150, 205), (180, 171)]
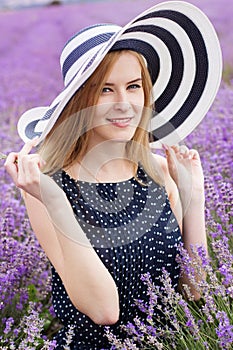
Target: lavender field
[(30, 76)]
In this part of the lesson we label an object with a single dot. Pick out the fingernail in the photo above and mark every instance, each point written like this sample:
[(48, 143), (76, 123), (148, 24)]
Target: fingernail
[(165, 147)]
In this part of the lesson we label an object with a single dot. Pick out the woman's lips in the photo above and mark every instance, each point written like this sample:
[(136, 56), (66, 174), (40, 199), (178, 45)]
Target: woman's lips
[(120, 122)]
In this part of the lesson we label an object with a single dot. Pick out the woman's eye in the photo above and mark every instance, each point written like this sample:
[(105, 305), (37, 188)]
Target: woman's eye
[(134, 86), (106, 89)]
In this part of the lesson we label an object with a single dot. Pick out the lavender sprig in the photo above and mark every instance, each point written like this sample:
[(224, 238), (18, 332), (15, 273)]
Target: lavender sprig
[(3, 156)]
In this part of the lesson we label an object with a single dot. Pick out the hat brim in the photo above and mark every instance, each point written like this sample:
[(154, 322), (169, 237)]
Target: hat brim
[(184, 59)]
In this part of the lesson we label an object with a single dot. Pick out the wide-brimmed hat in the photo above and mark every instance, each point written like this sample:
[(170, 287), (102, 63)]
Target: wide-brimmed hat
[(183, 57)]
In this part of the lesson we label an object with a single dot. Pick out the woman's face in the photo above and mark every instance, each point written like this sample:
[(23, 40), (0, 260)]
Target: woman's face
[(120, 105)]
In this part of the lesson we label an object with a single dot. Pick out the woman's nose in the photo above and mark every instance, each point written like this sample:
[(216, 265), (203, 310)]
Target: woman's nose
[(122, 106), (122, 103)]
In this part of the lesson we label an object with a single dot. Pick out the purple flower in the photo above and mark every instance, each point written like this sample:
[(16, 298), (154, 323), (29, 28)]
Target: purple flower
[(8, 325), (224, 331), (191, 322)]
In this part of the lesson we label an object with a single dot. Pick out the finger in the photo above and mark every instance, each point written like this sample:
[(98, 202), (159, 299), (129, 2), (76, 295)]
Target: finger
[(175, 148), (172, 157), (33, 160), (22, 154), (11, 158), (184, 150), (32, 167), (181, 149), (166, 148), (29, 174), (193, 154), (29, 166), (11, 165), (28, 146), (175, 154), (172, 162)]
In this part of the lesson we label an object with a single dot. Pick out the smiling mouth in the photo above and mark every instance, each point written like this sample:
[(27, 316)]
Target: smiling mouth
[(120, 122)]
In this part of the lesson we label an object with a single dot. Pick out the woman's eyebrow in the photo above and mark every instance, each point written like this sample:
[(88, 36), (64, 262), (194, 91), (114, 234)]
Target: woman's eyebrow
[(129, 82)]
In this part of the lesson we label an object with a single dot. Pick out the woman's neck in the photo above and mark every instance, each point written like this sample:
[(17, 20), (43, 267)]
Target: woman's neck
[(105, 162)]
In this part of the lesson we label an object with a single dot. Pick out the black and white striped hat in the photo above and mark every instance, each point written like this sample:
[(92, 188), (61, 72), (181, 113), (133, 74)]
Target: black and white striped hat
[(183, 57)]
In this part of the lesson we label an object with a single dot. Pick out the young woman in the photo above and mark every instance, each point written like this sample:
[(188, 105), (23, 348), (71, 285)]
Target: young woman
[(105, 208)]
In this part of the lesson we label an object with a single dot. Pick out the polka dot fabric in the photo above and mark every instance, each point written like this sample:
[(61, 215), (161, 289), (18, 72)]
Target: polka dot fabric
[(132, 228)]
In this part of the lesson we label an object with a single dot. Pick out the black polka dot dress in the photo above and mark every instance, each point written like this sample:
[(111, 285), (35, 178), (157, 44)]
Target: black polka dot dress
[(133, 230)]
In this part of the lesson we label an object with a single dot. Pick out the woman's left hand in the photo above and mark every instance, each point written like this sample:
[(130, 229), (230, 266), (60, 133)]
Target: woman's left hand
[(185, 168)]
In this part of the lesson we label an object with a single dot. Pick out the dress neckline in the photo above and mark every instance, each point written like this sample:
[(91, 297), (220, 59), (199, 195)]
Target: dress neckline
[(91, 183)]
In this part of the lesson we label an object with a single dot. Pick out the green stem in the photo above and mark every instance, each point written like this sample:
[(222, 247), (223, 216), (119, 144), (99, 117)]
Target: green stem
[(3, 156)]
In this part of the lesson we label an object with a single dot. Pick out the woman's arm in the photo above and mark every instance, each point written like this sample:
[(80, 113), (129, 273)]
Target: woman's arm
[(185, 185), (89, 285), (194, 232)]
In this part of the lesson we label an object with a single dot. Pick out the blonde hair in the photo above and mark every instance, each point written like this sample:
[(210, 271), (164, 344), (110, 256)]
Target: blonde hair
[(68, 140)]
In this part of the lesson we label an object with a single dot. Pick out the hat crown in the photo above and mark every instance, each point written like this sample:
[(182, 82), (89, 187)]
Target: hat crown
[(83, 47)]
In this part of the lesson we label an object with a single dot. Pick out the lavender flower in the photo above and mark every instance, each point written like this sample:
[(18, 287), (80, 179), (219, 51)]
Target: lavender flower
[(8, 324), (69, 337), (224, 331)]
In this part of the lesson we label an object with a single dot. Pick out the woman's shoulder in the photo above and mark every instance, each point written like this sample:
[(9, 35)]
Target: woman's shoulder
[(160, 163), (160, 160)]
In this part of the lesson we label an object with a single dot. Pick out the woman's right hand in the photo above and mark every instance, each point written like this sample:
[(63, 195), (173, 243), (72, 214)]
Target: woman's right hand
[(24, 168)]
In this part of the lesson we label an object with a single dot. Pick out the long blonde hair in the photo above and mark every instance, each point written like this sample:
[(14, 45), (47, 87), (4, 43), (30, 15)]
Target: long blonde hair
[(68, 140)]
